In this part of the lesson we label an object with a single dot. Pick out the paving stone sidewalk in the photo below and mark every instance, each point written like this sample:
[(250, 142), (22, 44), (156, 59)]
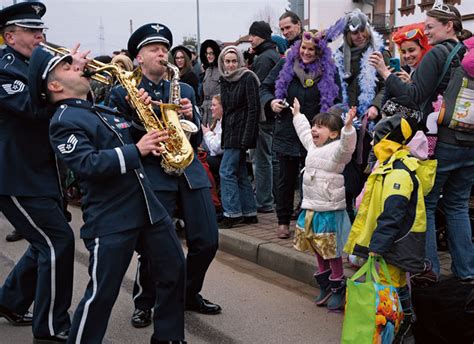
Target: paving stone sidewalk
[(259, 243)]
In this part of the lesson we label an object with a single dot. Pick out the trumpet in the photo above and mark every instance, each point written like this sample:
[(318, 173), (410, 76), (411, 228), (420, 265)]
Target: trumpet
[(93, 67)]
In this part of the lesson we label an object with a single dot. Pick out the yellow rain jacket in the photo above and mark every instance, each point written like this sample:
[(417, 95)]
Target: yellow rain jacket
[(391, 220)]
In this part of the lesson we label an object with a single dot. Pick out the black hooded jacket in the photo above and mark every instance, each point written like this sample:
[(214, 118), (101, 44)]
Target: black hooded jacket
[(267, 58)]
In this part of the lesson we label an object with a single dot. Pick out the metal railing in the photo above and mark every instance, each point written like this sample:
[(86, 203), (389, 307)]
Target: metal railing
[(381, 22)]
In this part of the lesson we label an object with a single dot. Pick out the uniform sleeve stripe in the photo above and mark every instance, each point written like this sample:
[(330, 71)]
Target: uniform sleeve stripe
[(123, 167)]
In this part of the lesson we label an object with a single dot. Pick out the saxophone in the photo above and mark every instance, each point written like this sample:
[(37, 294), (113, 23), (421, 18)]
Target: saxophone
[(189, 127), (178, 153)]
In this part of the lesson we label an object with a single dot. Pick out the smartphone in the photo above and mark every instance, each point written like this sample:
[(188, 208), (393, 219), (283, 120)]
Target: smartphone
[(394, 63)]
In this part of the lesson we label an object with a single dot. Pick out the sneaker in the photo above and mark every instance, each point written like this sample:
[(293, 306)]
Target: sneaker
[(230, 222), (424, 279)]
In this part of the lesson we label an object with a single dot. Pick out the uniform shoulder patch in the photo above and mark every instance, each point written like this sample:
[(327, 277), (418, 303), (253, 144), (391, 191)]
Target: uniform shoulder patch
[(69, 146), (16, 87), (396, 186)]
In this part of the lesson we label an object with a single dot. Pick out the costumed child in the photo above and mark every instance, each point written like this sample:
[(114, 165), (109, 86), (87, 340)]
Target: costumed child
[(323, 224), (391, 221)]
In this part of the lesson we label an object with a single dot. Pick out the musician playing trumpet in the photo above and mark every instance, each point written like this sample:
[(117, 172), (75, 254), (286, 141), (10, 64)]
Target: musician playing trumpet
[(149, 45)]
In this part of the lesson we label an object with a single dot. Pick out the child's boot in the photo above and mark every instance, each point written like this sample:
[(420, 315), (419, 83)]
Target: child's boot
[(338, 297), (405, 334), (322, 279)]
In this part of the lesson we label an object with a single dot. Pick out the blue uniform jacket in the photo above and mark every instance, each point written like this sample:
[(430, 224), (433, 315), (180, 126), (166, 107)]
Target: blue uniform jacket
[(27, 162), (98, 147), (195, 174)]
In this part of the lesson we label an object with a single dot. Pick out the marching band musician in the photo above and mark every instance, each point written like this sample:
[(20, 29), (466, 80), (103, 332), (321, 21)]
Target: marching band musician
[(149, 44), (119, 206), (30, 196)]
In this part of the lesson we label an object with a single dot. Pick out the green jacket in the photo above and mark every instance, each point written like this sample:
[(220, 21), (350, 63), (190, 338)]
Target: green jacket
[(391, 220)]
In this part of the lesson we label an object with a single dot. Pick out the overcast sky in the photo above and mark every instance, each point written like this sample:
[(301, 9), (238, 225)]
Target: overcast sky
[(71, 21)]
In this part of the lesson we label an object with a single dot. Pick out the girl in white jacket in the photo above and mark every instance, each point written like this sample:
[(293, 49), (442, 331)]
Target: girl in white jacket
[(323, 224)]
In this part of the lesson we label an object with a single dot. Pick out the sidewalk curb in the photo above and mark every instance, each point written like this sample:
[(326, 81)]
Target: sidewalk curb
[(288, 262)]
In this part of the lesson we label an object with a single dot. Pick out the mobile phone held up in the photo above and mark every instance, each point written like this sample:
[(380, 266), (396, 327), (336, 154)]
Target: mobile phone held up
[(394, 63)]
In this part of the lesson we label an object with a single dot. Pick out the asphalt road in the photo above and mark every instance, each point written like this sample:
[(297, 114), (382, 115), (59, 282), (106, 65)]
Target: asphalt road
[(259, 305)]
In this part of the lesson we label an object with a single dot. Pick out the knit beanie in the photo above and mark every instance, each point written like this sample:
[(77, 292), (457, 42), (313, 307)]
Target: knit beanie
[(261, 29)]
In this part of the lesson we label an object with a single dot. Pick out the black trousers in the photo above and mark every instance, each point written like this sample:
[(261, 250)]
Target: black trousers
[(202, 237), (44, 274), (214, 164), (290, 167)]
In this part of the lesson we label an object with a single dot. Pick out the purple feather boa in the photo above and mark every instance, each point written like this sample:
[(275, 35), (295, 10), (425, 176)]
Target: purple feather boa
[(323, 66)]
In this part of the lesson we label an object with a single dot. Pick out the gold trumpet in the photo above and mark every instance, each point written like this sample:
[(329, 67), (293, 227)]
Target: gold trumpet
[(92, 67)]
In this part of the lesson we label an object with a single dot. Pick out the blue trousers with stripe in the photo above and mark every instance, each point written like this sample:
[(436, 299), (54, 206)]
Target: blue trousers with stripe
[(110, 256), (202, 239), (45, 272)]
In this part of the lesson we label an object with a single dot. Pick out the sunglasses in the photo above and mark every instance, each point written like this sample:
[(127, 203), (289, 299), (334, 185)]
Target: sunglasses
[(412, 34), (442, 8)]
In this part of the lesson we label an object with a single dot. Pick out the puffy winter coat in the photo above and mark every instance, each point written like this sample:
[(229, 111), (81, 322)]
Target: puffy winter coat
[(323, 182)]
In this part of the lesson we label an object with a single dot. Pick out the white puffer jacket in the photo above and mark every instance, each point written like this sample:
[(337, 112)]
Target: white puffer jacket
[(323, 182)]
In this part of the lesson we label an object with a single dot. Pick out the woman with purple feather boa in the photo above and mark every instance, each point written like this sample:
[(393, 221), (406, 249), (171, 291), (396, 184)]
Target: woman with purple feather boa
[(308, 73)]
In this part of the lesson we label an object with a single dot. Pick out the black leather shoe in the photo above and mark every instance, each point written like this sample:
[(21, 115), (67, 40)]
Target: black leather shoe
[(61, 337), (230, 222), (16, 319), (13, 236), (250, 219), (202, 306), (141, 318)]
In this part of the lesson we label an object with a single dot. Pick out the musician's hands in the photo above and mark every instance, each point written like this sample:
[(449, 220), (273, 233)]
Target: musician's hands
[(150, 142), (186, 108), (144, 97), (79, 59)]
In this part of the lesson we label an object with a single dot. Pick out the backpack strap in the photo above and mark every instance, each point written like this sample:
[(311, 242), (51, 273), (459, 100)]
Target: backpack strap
[(447, 64)]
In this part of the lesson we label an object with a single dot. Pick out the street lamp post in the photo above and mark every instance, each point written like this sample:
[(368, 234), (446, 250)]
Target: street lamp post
[(198, 48)]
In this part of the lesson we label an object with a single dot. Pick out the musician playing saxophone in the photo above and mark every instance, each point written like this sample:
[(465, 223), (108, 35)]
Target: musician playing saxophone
[(119, 205), (149, 45)]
